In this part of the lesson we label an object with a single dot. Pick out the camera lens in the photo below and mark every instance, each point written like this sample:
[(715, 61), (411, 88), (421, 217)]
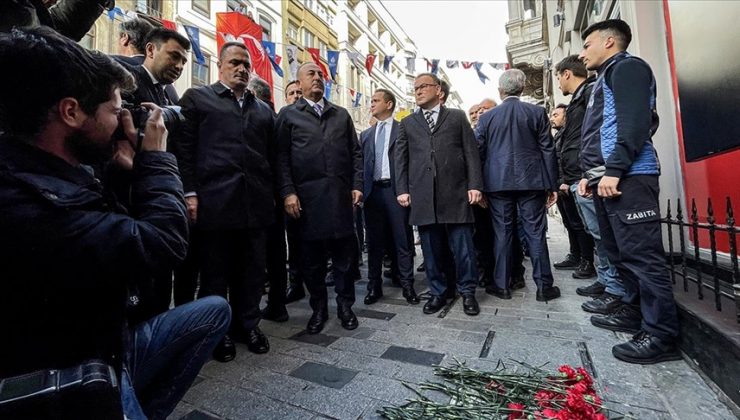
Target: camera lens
[(172, 117)]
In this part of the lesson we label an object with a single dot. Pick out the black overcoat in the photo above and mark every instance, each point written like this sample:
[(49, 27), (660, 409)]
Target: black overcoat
[(320, 160)]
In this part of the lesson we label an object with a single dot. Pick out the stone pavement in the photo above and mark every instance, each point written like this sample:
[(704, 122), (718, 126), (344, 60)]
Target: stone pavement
[(351, 374)]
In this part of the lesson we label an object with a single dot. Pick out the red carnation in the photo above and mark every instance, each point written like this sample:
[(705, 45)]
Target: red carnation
[(517, 410)]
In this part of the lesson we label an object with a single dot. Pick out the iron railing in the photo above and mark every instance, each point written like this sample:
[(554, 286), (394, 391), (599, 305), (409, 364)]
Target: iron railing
[(722, 279)]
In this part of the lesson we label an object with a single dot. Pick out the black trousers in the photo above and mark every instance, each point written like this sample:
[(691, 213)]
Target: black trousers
[(483, 240), (314, 255), (277, 253), (581, 242), (294, 250), (630, 232), (186, 275), (233, 266)]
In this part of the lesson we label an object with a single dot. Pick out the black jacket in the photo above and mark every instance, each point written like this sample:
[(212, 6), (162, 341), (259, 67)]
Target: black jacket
[(569, 146), (69, 254), (71, 18), (319, 160), (226, 156)]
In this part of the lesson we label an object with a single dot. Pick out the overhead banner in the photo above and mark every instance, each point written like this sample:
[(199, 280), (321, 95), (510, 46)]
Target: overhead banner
[(291, 54)]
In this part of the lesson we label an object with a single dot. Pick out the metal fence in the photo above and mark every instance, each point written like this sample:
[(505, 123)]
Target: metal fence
[(721, 279)]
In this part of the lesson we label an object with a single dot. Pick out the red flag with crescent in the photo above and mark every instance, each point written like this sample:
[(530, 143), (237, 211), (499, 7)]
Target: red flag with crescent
[(234, 26)]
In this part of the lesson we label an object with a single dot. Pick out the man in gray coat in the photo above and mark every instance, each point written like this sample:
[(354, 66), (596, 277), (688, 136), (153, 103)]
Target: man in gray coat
[(438, 175)]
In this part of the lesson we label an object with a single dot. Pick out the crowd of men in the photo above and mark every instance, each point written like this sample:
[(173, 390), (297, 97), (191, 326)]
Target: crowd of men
[(115, 217)]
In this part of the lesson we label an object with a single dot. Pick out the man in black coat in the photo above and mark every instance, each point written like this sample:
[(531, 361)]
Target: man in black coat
[(383, 214), (226, 150), (438, 175), (320, 180), (520, 172)]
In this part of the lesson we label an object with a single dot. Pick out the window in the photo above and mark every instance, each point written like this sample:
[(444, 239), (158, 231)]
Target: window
[(322, 48), (309, 39), (202, 6), (266, 28), (201, 73), (150, 7), (292, 31), (530, 9)]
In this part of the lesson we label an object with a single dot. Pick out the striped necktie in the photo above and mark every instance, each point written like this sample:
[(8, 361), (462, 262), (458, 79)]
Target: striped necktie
[(430, 120), (317, 108)]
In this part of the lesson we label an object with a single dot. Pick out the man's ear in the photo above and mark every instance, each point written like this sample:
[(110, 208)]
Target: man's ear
[(124, 40), (70, 113), (609, 42), (150, 47)]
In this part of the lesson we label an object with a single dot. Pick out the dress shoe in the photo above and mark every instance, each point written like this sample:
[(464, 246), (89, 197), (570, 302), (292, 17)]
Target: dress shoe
[(434, 304), (348, 318), (585, 270), (645, 349), (255, 340), (499, 293), (517, 283), (225, 350), (317, 321), (594, 289), (421, 268), (372, 297), (626, 318), (571, 262), (275, 313), (604, 304), (470, 305), (295, 293), (548, 293), (410, 295)]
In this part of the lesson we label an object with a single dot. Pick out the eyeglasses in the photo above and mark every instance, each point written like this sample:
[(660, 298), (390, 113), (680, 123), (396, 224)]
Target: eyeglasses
[(424, 86)]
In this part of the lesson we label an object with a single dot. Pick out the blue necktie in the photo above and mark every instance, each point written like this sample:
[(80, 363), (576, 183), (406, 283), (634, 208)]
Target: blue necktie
[(379, 147), (317, 108)]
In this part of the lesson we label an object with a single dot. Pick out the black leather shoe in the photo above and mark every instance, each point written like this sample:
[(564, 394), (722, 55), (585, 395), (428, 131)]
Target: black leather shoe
[(626, 318), (585, 270), (499, 293), (317, 321), (604, 304), (421, 268), (225, 350), (434, 304), (548, 293), (517, 283), (255, 340), (348, 318), (594, 289), (275, 313), (372, 297), (646, 349), (295, 293), (410, 295), (570, 262), (470, 305)]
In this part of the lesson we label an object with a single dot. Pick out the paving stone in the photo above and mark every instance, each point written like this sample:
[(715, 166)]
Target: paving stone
[(470, 324), (409, 355), (379, 387), (369, 313), (199, 415), (318, 339), (313, 353), (326, 375), (366, 347), (369, 364), (687, 394)]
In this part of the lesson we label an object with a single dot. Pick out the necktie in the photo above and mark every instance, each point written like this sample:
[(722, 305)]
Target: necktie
[(379, 147), (317, 108), (161, 97), (430, 120)]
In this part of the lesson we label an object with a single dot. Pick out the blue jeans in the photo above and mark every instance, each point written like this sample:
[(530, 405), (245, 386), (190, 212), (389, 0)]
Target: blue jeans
[(166, 354), (607, 273), (459, 238)]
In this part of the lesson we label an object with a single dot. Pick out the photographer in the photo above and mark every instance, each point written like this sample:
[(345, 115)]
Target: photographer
[(72, 18), (71, 255)]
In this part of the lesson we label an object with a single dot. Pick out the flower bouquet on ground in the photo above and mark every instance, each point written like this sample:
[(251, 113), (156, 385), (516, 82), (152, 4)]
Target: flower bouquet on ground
[(528, 393)]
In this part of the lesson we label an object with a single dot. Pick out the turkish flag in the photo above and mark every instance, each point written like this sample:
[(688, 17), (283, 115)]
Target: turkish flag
[(169, 24), (234, 26), (315, 55), (369, 61)]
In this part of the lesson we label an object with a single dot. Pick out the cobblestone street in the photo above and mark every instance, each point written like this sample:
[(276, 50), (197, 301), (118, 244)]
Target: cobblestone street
[(351, 374)]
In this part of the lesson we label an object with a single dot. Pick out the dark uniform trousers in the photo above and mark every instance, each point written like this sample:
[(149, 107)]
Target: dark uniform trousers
[(277, 273), (384, 215), (233, 262), (581, 242), (314, 254), (437, 240), (630, 232)]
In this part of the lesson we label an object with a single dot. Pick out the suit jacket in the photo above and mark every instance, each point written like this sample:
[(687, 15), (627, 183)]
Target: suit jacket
[(437, 167), (517, 148), (319, 160), (367, 141), (146, 91), (226, 155)]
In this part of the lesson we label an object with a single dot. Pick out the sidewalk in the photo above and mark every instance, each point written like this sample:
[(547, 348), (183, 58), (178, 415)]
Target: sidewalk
[(350, 374)]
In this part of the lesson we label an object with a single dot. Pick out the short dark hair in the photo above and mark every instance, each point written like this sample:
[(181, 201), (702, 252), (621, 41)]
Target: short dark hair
[(563, 106), (445, 89), (137, 31), (388, 96), (292, 82), (230, 44), (574, 64), (616, 28), (159, 36), (41, 67), (432, 75), (260, 88)]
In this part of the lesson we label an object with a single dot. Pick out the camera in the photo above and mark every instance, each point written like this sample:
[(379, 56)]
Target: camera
[(170, 114)]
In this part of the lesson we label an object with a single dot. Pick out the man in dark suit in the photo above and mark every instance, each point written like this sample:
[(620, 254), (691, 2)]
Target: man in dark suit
[(320, 180), (438, 175), (520, 173), (382, 211), (226, 153)]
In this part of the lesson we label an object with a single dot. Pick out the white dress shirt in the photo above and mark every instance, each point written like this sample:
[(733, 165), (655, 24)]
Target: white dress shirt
[(386, 172)]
